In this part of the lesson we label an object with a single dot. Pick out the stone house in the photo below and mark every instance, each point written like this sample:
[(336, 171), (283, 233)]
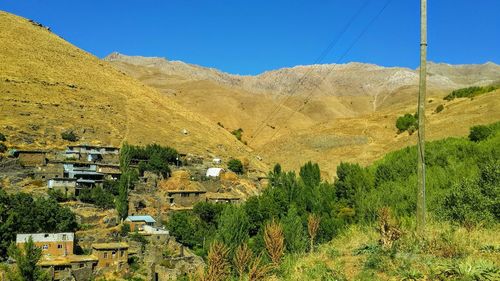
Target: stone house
[(111, 255), (95, 153), (72, 267), (52, 244), (185, 198)]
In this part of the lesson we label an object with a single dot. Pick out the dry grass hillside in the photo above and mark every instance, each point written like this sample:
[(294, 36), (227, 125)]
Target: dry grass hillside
[(48, 86), (350, 115)]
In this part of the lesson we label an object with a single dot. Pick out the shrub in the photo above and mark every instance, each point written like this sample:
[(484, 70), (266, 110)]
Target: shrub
[(470, 92), (439, 108), (479, 133), (2, 137), (3, 148), (69, 136), (407, 122), (235, 165), (238, 133)]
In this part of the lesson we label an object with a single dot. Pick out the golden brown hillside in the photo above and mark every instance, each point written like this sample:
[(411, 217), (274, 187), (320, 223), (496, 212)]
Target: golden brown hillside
[(350, 117), (48, 86)]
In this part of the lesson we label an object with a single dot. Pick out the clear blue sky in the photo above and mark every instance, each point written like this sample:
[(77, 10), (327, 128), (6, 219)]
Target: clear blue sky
[(249, 37)]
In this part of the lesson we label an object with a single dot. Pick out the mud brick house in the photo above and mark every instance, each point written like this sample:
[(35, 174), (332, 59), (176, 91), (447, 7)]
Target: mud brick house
[(72, 267), (31, 158), (137, 223), (111, 255), (86, 175), (52, 244), (185, 198)]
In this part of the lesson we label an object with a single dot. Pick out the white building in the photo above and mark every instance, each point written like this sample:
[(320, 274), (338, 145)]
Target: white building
[(215, 172)]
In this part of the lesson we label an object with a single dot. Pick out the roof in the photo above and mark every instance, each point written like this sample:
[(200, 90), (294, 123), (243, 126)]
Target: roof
[(111, 245), (45, 237), (214, 172), (154, 230), (92, 146), (67, 260), (63, 179), (185, 191), (145, 218)]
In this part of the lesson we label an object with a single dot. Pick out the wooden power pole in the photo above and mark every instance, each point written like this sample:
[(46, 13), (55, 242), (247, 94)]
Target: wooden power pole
[(421, 118)]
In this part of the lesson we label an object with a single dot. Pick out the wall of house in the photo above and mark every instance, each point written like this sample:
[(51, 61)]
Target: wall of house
[(59, 248), (32, 159), (187, 199), (111, 257)]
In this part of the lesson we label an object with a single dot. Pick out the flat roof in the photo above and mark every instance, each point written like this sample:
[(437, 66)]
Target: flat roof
[(66, 260), (145, 218), (63, 179), (110, 245), (186, 191), (45, 237), (93, 146)]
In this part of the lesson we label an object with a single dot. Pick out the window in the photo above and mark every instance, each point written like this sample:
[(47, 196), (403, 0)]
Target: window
[(105, 255), (114, 254), (82, 265), (64, 235), (45, 247)]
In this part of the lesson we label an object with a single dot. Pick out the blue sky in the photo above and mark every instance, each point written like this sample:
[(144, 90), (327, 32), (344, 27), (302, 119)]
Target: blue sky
[(249, 37)]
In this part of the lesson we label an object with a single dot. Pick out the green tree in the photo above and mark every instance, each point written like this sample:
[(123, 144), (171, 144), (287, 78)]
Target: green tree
[(235, 165), (294, 231), (407, 122), (27, 259), (310, 174), (351, 179), (233, 226), (479, 133)]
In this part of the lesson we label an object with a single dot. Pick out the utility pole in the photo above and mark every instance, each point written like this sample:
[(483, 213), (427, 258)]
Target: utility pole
[(421, 118)]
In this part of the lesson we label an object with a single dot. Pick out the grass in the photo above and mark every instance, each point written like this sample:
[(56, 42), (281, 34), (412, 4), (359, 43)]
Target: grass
[(443, 253), (470, 92)]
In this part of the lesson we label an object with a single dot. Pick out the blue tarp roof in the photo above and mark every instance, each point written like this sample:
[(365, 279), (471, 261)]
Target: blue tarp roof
[(141, 218)]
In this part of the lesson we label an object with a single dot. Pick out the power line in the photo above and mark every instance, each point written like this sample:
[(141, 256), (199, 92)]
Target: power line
[(330, 46), (308, 97)]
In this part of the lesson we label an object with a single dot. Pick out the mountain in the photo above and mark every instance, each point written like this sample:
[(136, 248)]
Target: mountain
[(344, 112), (48, 86)]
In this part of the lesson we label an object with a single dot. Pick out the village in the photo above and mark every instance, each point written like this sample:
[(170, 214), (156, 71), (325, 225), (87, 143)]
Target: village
[(105, 244)]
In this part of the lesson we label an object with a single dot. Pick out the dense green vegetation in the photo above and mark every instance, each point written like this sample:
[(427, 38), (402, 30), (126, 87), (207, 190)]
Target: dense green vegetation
[(408, 123), (235, 165), (2, 137), (152, 157), (470, 92), (3, 147), (463, 189), (21, 213)]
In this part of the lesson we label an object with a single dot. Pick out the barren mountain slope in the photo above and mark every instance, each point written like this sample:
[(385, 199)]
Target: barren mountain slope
[(350, 115), (48, 86)]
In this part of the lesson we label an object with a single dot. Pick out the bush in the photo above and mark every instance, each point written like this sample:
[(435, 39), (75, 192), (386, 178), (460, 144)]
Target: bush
[(479, 133), (470, 92), (439, 108), (3, 148), (407, 122), (238, 133), (235, 165), (69, 136), (2, 137)]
